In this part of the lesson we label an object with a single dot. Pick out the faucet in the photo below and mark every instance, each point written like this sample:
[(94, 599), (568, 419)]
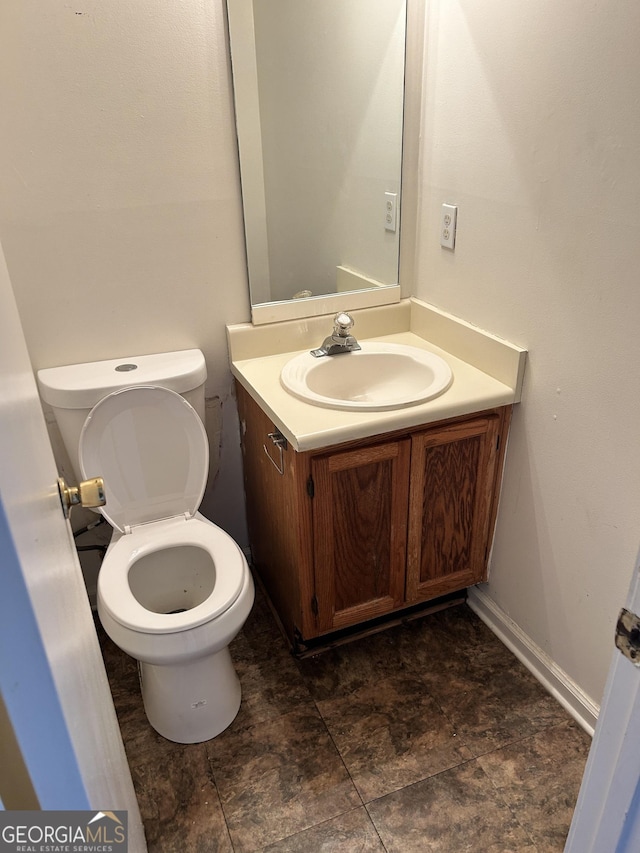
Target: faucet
[(341, 340)]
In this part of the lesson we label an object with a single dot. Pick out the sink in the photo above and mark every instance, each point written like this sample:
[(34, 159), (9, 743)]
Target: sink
[(377, 377)]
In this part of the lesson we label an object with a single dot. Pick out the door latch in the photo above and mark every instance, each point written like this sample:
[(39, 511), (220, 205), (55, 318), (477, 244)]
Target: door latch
[(89, 493), (628, 636)]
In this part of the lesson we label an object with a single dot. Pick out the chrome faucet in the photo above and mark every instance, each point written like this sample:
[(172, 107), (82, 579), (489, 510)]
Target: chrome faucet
[(341, 340)]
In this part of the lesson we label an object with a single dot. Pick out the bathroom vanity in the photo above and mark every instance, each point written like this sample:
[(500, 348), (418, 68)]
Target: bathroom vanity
[(354, 516)]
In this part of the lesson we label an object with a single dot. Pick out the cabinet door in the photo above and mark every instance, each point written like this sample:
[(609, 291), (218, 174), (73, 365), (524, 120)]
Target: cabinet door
[(450, 510), (360, 528)]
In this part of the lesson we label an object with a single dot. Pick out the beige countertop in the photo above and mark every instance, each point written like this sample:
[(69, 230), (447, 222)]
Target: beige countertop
[(487, 372)]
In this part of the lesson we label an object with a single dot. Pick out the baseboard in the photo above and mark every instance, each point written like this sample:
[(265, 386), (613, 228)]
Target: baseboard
[(583, 710)]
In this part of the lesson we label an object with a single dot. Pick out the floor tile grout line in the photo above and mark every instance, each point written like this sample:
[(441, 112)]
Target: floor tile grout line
[(461, 763), (402, 787), (309, 703), (339, 753), (509, 807), (363, 804), (420, 781), (524, 737), (521, 739), (222, 809), (435, 775), (323, 823), (366, 805)]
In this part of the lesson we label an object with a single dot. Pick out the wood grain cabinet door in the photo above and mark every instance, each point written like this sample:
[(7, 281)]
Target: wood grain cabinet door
[(360, 532), (452, 481)]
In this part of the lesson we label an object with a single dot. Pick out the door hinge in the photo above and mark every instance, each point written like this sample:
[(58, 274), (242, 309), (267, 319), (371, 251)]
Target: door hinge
[(628, 636), (314, 605), (498, 442), (311, 489)]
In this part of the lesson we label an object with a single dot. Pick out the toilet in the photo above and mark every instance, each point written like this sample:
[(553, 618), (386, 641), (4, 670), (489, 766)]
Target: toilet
[(173, 589)]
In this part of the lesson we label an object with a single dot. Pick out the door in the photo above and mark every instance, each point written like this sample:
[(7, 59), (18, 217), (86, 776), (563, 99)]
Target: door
[(452, 487), (607, 814), (360, 532), (52, 677)]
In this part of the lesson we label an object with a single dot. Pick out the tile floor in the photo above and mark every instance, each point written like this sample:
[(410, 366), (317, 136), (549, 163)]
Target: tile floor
[(429, 736)]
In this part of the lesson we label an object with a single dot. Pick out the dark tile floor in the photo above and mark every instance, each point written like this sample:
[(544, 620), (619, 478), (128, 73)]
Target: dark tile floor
[(429, 736)]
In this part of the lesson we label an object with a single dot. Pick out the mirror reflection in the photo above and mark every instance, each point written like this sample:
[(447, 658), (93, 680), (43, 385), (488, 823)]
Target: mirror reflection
[(318, 87)]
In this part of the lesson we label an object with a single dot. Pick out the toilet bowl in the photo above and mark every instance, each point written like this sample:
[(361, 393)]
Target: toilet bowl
[(173, 589), (173, 596)]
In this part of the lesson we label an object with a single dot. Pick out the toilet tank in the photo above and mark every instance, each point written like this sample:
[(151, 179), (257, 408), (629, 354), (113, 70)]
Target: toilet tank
[(73, 390)]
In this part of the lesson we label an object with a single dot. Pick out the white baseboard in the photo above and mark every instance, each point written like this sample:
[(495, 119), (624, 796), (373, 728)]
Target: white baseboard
[(554, 679)]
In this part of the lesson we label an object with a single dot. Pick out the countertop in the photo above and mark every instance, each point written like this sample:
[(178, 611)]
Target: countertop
[(487, 372)]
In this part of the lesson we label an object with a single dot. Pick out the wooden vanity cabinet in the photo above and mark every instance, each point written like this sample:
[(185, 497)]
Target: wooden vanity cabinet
[(359, 510), (360, 530)]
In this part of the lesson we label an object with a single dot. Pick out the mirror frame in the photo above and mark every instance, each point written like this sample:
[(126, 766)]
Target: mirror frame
[(272, 312)]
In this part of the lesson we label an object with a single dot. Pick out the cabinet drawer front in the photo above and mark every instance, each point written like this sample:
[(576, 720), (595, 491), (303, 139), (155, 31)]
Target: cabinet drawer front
[(359, 524), (452, 472)]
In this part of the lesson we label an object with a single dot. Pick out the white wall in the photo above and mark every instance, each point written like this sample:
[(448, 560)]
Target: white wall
[(120, 206), (532, 127)]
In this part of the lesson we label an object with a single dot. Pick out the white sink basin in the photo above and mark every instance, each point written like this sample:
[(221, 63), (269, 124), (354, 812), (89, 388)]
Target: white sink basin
[(379, 376)]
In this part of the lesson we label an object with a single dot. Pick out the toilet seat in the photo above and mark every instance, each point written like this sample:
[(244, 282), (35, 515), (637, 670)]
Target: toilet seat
[(113, 580), (150, 447)]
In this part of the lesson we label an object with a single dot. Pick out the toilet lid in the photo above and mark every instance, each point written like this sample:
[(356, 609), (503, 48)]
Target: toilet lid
[(150, 447)]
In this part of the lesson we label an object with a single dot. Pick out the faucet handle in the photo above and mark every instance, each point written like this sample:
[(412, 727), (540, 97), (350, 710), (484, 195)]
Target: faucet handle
[(343, 323)]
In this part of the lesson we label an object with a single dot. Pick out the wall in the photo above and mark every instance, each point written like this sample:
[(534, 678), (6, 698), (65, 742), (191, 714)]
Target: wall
[(120, 209), (532, 128)]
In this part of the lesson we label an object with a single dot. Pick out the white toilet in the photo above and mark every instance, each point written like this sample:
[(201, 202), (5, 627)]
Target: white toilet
[(173, 589)]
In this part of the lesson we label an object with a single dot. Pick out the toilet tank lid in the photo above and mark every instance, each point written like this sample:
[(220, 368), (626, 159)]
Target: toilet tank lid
[(81, 386)]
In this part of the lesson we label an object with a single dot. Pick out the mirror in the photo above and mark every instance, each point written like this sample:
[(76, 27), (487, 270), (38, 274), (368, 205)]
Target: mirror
[(319, 96)]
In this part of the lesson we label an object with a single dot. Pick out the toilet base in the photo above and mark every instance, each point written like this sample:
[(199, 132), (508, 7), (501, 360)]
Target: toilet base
[(193, 702)]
